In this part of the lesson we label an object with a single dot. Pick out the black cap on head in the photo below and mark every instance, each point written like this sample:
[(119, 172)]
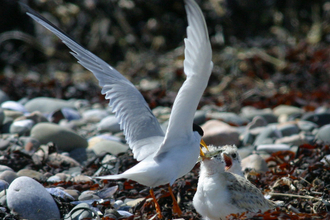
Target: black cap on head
[(198, 129)]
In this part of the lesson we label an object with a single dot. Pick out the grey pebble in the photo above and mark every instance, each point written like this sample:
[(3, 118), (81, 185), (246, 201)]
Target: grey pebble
[(47, 105), (80, 211), (2, 116), (8, 176), (255, 162), (32, 174), (110, 124), (31, 200), (3, 185), (64, 138), (59, 160), (270, 148), (323, 134), (249, 113), (14, 106), (268, 135), (320, 119), (288, 129), (108, 146), (21, 127)]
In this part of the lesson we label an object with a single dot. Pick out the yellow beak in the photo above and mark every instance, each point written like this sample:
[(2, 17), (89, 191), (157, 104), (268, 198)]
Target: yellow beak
[(203, 144)]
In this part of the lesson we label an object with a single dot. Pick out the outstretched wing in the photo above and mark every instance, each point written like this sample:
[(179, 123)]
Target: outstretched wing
[(141, 128), (198, 67)]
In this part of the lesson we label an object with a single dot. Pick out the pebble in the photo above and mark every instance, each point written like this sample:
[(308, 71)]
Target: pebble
[(36, 117), (80, 211), (70, 114), (88, 195), (47, 105), (4, 144), (94, 115), (249, 113), (3, 185), (82, 179), (108, 146), (296, 140), (270, 148), (288, 129), (8, 176), (285, 112), (64, 138), (220, 133), (59, 160), (4, 168), (14, 106), (21, 127), (79, 154), (73, 192), (306, 125), (267, 135), (32, 174), (320, 119), (324, 134), (255, 162), (110, 124), (228, 117), (31, 200)]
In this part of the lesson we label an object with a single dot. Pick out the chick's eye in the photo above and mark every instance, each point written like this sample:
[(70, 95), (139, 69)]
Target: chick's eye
[(234, 156)]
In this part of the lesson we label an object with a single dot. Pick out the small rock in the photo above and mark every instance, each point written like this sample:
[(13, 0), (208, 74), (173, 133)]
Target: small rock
[(30, 200), (79, 154), (249, 113), (80, 211), (14, 106), (256, 162), (268, 135), (257, 122), (4, 168), (306, 125), (296, 140), (64, 138), (36, 117), (88, 195), (324, 134), (47, 105), (59, 160), (320, 119), (4, 144), (219, 133), (32, 174), (228, 117), (8, 176), (82, 179), (288, 129), (21, 127), (3, 185), (94, 115), (108, 146), (110, 124), (270, 148), (73, 192)]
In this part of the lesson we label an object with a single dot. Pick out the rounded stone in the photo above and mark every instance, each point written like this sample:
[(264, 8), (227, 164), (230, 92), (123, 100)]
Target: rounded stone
[(320, 119), (109, 123), (108, 146), (8, 176), (256, 162), (2, 116), (47, 105), (81, 211), (324, 134), (268, 135), (14, 106), (64, 138), (32, 174), (30, 200), (219, 133), (21, 127)]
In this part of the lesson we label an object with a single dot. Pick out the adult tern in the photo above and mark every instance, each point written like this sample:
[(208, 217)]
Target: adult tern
[(163, 157)]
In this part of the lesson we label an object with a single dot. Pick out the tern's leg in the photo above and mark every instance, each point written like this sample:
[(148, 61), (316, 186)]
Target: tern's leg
[(176, 208), (156, 203)]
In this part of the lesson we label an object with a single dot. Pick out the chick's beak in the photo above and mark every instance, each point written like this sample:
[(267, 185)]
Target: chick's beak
[(203, 144)]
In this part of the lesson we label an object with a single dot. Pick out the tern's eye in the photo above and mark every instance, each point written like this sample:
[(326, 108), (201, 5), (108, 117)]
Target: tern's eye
[(234, 155)]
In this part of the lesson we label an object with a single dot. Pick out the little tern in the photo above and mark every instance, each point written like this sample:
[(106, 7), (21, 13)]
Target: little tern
[(163, 157)]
